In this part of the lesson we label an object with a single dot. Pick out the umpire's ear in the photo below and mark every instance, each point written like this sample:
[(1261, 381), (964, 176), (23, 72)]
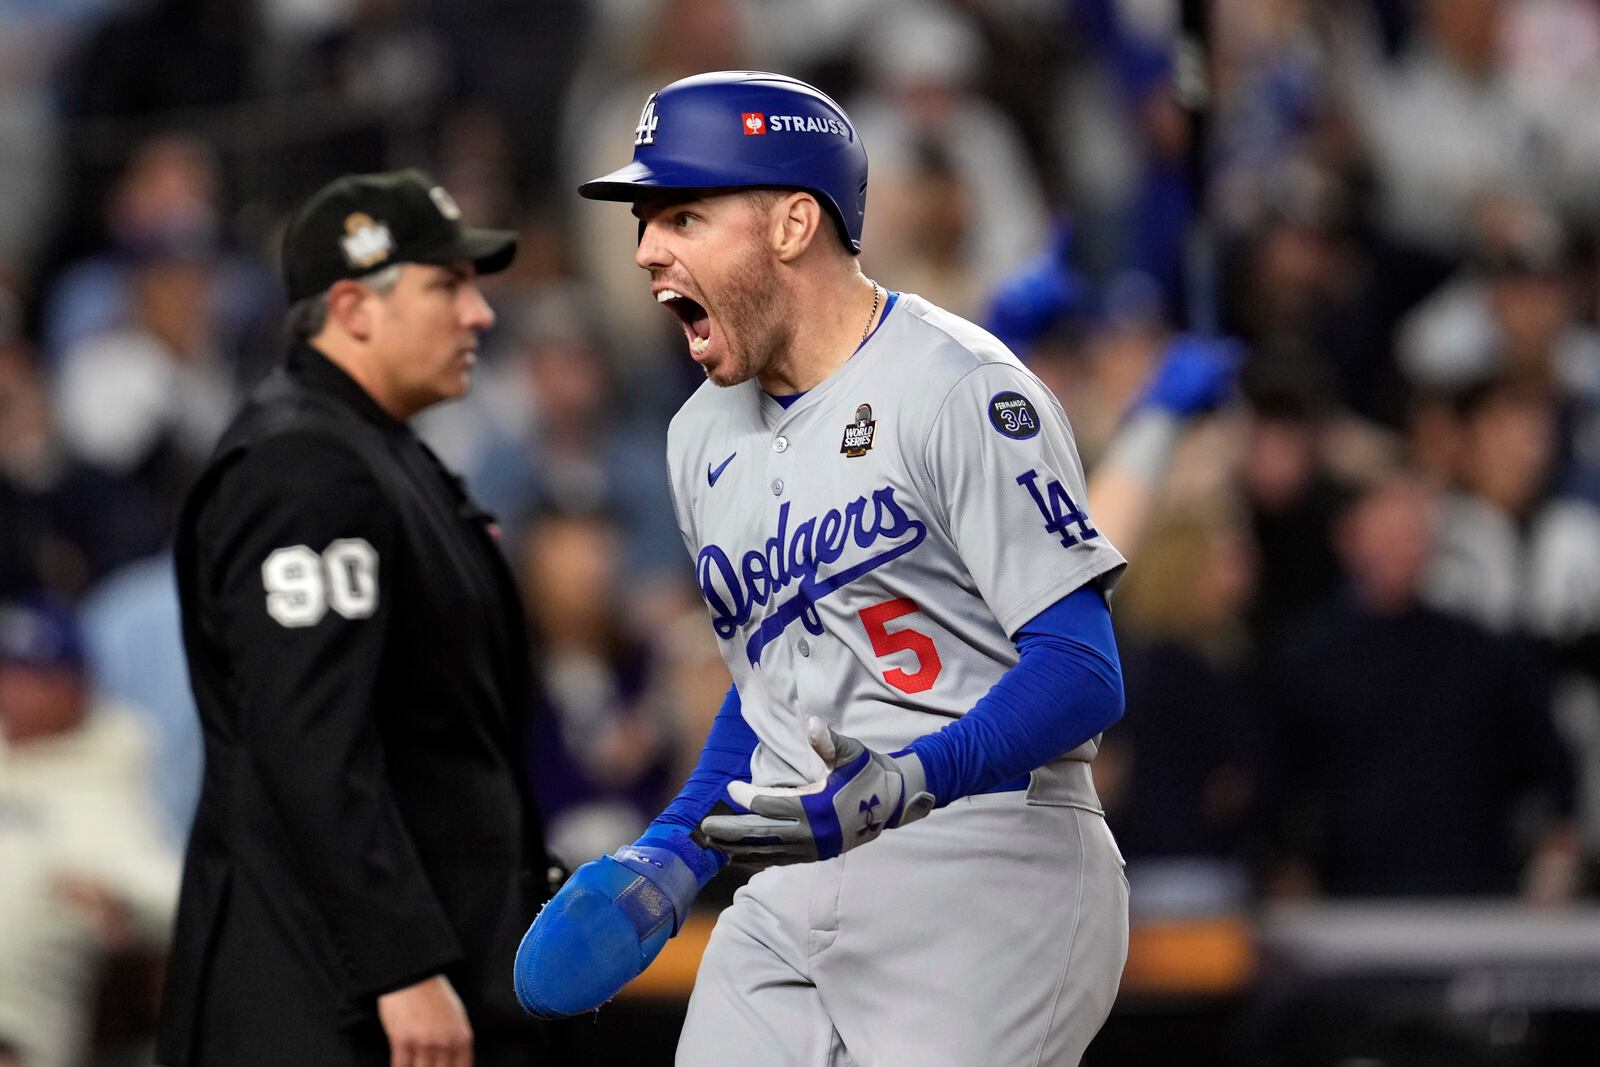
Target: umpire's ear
[(795, 219), (350, 309)]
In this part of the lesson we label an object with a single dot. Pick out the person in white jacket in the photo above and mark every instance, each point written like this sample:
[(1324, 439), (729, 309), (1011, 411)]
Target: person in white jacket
[(85, 868)]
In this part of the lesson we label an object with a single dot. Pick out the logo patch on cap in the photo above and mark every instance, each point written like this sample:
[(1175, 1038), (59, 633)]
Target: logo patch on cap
[(755, 124), (444, 202), (366, 243), (858, 435)]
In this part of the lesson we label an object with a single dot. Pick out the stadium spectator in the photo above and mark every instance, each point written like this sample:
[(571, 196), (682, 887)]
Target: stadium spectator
[(942, 156), (1514, 312), (167, 196), (1441, 126), (86, 869), (142, 401), (1550, 50), (1514, 555), (65, 523), (1290, 496), (1379, 704), (1177, 774), (1523, 560), (602, 746), (33, 38), (135, 649), (1299, 289)]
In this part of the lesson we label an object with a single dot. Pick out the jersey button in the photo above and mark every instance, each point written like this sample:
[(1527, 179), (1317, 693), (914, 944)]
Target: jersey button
[(780, 444), (777, 487), (804, 647)]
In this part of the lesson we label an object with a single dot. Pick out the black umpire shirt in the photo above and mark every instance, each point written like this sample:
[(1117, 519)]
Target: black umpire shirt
[(358, 654)]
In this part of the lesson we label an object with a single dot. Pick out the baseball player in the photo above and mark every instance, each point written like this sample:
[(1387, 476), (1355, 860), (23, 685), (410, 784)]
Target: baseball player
[(885, 512)]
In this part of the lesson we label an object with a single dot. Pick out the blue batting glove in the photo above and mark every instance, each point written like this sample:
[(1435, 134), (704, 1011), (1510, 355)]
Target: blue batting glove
[(608, 923), (1044, 289), (1196, 375)]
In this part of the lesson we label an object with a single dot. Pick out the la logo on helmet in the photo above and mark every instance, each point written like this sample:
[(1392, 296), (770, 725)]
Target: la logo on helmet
[(645, 132)]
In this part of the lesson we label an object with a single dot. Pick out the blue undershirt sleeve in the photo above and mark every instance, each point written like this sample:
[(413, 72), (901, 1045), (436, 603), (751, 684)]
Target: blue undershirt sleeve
[(1065, 689), (724, 758)]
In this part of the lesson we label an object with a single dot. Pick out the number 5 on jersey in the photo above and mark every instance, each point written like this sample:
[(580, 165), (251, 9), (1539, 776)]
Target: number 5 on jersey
[(301, 585), (885, 642)]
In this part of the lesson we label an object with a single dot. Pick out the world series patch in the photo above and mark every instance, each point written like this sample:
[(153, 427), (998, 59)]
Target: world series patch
[(858, 435), (1013, 415)]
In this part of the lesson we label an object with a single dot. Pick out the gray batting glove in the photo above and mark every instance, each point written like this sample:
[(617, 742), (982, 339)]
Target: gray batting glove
[(867, 793)]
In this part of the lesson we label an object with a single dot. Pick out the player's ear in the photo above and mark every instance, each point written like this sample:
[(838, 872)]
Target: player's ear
[(795, 220), (349, 308)]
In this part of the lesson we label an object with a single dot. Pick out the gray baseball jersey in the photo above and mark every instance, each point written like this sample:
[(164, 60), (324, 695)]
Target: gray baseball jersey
[(866, 555)]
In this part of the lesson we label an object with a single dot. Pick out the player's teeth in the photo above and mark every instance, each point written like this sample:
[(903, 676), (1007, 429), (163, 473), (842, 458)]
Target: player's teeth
[(667, 294), (699, 345)]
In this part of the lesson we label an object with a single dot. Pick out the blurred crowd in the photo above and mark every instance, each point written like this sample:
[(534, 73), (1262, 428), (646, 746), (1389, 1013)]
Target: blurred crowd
[(1361, 637)]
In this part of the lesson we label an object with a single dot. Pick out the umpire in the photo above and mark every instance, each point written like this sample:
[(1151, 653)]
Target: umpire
[(366, 855)]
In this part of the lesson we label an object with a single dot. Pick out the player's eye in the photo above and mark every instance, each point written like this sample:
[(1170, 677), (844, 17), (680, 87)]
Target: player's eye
[(682, 219)]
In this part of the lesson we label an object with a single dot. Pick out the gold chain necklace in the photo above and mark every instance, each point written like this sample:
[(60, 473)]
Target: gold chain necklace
[(877, 294)]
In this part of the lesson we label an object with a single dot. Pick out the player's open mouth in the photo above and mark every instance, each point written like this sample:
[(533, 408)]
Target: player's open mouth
[(695, 319)]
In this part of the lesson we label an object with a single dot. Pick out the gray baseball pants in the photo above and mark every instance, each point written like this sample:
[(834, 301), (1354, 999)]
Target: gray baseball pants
[(990, 934)]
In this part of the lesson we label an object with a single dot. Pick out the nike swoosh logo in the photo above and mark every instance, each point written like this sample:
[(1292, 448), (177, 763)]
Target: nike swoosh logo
[(713, 475)]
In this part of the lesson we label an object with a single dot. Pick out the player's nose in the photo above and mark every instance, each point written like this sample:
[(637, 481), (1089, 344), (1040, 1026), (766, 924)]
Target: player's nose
[(652, 252)]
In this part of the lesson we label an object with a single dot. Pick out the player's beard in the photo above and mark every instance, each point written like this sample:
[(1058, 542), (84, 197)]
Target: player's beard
[(756, 319)]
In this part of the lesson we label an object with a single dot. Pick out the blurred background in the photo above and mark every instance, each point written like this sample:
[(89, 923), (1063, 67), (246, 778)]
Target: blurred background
[(1358, 782)]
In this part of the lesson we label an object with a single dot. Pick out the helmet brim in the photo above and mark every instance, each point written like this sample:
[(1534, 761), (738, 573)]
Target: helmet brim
[(625, 183)]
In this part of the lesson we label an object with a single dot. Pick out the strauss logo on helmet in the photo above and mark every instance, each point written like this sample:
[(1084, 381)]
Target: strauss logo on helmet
[(755, 123)]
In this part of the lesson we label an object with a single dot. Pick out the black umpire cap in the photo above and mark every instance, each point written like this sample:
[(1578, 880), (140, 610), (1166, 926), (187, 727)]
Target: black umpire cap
[(360, 223)]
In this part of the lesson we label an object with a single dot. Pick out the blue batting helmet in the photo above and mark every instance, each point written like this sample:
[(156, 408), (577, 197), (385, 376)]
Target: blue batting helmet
[(744, 128)]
